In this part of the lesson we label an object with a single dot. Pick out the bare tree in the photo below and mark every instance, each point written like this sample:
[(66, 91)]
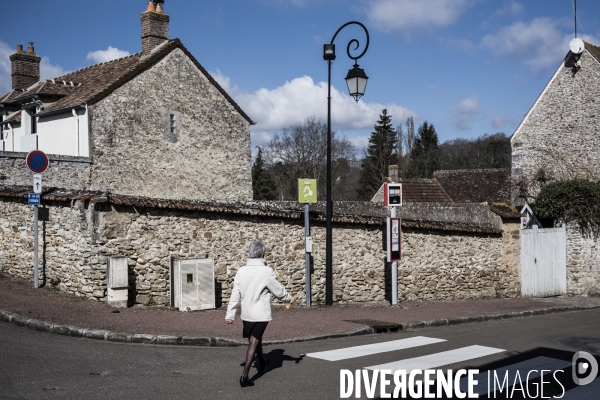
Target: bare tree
[(300, 151)]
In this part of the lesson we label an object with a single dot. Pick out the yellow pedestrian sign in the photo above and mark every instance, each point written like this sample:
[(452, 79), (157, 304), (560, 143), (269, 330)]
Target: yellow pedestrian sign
[(307, 190)]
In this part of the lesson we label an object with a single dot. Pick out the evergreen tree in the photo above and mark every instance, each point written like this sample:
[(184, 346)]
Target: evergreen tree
[(425, 153), (380, 154), (263, 186)]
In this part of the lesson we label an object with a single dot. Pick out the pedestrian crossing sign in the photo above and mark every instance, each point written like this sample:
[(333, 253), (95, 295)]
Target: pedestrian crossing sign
[(307, 191)]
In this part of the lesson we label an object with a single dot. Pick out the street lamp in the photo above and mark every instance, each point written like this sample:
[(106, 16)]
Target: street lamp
[(357, 82)]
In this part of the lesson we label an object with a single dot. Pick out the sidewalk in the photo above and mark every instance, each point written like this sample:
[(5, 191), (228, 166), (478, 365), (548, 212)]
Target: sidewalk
[(52, 311)]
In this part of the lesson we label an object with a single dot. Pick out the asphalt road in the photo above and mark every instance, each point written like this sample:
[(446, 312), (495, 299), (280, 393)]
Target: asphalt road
[(36, 365)]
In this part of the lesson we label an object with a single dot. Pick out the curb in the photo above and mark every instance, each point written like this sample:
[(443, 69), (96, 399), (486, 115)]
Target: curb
[(98, 334)]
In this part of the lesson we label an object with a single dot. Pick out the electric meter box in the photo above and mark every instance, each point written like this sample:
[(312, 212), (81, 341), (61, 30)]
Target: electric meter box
[(392, 194)]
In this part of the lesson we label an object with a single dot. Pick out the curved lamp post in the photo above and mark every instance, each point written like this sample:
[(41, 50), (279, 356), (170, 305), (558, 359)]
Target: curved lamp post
[(357, 82)]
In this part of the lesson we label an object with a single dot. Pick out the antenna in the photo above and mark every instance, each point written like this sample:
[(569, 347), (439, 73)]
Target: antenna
[(575, 8)]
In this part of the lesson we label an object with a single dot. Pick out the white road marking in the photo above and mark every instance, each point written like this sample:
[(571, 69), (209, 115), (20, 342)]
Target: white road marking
[(439, 359), (375, 348)]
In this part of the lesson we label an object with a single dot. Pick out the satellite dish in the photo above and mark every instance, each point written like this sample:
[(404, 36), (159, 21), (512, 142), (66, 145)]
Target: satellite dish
[(576, 46)]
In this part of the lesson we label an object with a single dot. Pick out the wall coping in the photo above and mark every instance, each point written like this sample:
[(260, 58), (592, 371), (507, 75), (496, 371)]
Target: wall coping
[(52, 157), (457, 217)]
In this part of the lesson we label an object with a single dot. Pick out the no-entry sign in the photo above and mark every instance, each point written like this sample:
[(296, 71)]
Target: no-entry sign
[(37, 161)]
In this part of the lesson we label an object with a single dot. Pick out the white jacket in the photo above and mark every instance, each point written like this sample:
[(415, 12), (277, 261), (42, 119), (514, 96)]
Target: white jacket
[(254, 283)]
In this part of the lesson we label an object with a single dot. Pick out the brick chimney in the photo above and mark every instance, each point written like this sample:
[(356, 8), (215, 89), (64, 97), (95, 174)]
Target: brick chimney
[(393, 173), (155, 26), (25, 67)]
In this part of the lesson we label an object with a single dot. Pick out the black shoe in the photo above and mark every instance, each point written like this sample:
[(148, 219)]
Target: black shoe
[(262, 364), (245, 382)]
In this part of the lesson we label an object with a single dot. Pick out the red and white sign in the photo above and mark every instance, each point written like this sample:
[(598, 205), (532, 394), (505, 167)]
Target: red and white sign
[(37, 161), (394, 239)]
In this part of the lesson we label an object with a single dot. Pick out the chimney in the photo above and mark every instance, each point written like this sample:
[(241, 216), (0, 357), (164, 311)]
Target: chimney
[(155, 26), (25, 67), (393, 173)]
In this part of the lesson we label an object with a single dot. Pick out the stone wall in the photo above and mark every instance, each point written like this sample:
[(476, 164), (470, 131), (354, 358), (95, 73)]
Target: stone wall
[(63, 171), (583, 262), (135, 153), (77, 238), (560, 137), (69, 258)]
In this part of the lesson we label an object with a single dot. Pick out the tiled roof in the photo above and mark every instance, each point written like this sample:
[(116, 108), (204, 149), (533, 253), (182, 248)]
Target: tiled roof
[(418, 191), (595, 50), (95, 82), (476, 185)]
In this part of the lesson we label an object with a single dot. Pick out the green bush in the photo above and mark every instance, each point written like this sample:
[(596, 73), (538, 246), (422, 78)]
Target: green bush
[(576, 200)]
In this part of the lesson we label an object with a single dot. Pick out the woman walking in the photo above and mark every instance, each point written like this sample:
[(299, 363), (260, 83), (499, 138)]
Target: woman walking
[(253, 284)]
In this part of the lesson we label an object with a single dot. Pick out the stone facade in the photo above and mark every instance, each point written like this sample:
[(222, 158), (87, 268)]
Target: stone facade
[(135, 153), (583, 262), (79, 235), (559, 137), (63, 171)]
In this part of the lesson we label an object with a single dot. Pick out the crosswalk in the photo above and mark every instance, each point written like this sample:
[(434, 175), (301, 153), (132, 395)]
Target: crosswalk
[(515, 374)]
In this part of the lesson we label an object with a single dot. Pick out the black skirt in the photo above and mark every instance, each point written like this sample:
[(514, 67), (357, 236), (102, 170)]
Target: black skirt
[(255, 329)]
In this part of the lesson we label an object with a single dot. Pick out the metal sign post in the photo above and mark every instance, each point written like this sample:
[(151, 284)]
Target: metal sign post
[(307, 193), (37, 162)]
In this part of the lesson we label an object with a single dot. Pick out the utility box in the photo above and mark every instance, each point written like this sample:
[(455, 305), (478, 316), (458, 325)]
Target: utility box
[(117, 277), (193, 284)]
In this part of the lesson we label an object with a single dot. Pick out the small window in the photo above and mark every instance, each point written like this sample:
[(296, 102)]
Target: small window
[(190, 278), (33, 124), (172, 123)]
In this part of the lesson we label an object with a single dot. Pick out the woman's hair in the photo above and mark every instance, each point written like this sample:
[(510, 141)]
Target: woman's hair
[(257, 249)]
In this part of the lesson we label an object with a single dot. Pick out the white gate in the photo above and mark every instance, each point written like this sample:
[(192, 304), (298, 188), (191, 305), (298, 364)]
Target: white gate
[(193, 286), (543, 262)]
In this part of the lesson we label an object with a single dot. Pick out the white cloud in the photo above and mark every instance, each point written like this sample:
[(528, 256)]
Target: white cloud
[(295, 100), (540, 42), (466, 112), (501, 121), (100, 56), (5, 79), (510, 8), (415, 16), (48, 70), (361, 143), (259, 138)]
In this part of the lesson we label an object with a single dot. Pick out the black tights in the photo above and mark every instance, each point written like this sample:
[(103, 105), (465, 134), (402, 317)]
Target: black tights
[(254, 347)]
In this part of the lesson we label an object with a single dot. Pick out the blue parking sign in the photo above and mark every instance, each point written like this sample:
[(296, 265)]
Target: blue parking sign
[(34, 199)]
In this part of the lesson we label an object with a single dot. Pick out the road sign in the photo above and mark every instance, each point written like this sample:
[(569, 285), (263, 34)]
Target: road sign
[(37, 161), (34, 199), (394, 239), (307, 191), (37, 183)]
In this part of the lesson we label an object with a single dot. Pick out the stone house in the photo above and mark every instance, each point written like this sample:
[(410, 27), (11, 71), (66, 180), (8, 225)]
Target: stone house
[(154, 123), (558, 137)]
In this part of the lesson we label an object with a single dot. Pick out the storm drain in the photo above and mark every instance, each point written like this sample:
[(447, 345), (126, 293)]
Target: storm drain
[(378, 326)]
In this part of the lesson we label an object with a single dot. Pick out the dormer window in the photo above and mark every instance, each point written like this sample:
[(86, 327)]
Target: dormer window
[(172, 122)]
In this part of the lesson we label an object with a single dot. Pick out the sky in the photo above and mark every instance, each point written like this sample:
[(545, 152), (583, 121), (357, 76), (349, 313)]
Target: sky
[(469, 67)]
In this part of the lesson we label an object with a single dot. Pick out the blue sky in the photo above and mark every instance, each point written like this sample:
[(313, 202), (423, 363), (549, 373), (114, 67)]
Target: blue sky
[(468, 66)]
